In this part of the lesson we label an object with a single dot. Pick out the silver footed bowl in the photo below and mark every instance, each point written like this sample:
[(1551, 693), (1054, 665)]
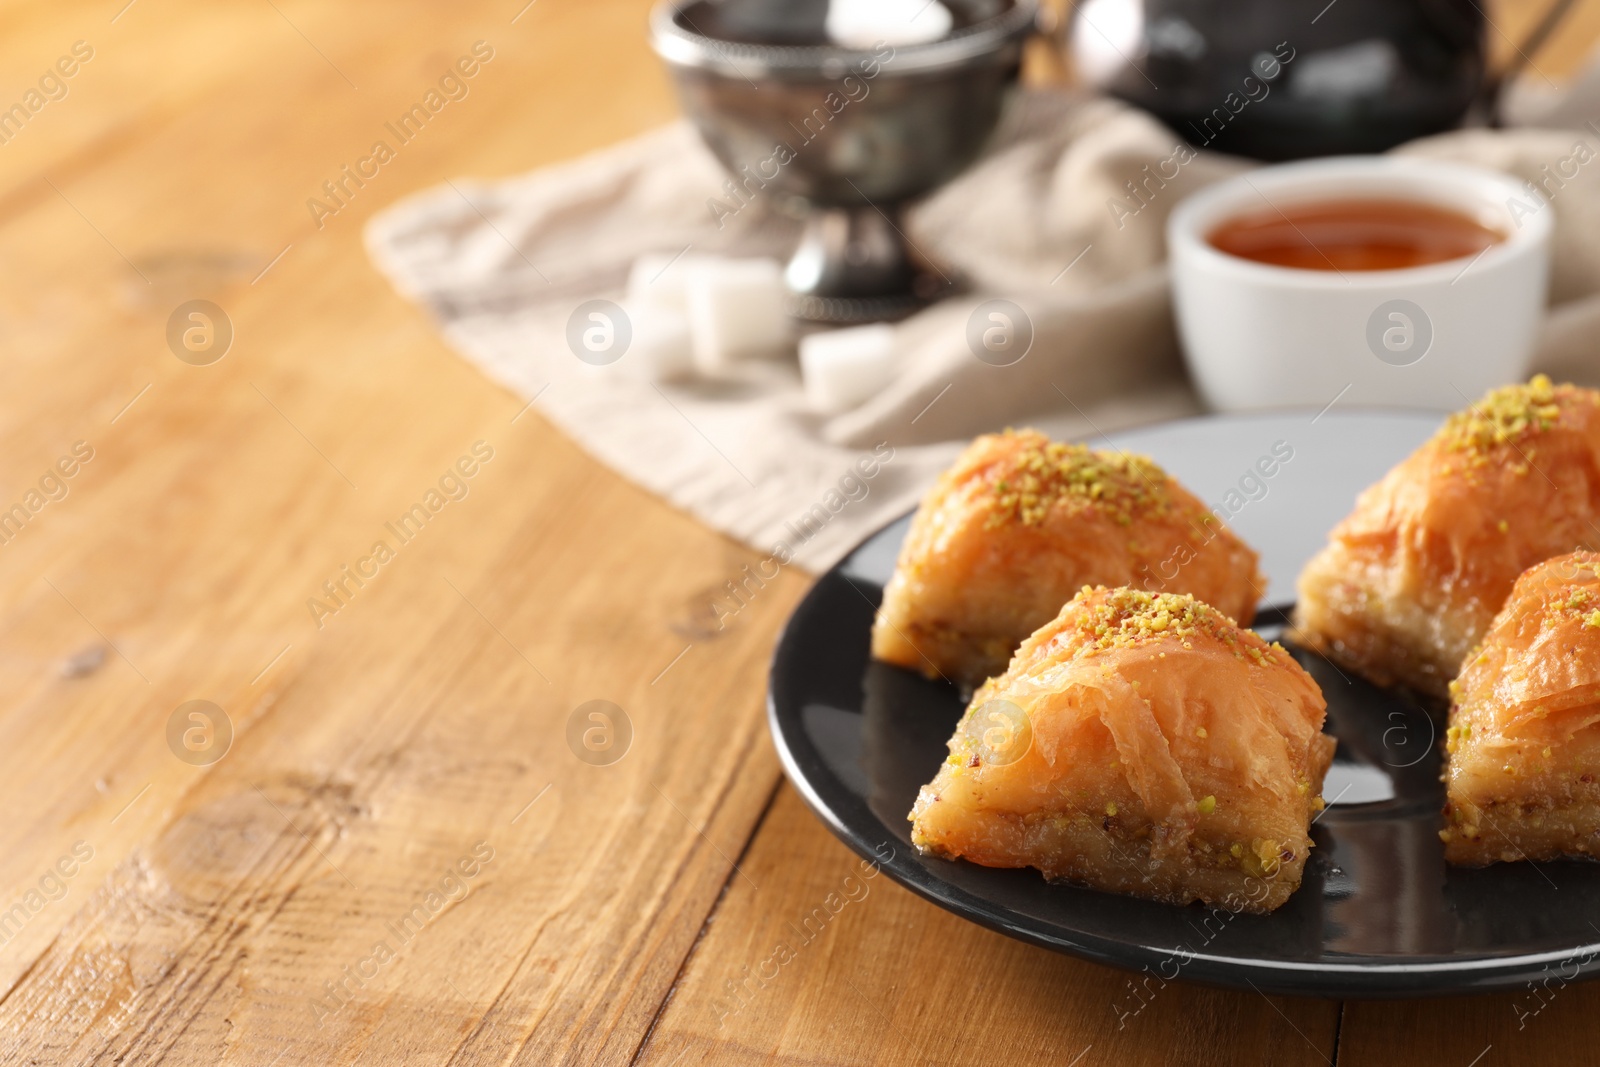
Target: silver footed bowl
[(852, 133)]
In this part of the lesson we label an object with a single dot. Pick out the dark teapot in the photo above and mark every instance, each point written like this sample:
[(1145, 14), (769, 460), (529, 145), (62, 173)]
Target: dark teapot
[(1278, 80)]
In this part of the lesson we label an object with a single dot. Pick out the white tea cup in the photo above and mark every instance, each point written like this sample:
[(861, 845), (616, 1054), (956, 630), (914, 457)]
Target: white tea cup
[(1257, 335)]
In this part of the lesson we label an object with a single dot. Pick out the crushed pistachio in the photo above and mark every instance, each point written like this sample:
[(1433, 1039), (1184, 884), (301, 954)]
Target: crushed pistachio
[(1043, 475), (1563, 599), (1505, 415), (1119, 618), (1111, 807), (1263, 858), (1207, 806)]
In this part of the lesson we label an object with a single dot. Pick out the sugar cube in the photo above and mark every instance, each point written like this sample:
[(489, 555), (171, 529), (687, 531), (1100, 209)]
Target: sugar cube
[(736, 311), (843, 368), (660, 349), (658, 279), (869, 23)]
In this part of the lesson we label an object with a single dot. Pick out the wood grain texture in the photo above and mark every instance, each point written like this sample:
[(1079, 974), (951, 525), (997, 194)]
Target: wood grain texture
[(420, 731), (815, 958), (423, 717)]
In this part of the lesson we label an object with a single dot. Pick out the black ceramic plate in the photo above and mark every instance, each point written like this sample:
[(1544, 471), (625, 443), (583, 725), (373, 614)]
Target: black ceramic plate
[(1378, 914)]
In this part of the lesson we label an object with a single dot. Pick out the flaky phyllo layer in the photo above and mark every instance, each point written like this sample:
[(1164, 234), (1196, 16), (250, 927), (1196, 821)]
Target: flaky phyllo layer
[(1523, 771), (1409, 582), (1018, 524), (1139, 743)]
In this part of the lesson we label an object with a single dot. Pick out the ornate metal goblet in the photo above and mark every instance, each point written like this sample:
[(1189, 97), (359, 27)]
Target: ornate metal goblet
[(854, 133)]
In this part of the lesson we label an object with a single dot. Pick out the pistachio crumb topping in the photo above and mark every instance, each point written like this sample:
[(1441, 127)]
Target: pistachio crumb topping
[(1263, 859), (1120, 618), (1111, 807), (1505, 415), (1207, 806), (1561, 599), (1044, 474)]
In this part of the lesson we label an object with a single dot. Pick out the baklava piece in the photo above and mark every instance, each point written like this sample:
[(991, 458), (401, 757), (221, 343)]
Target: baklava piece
[(1018, 525), (1524, 737), (1143, 744), (1409, 582)]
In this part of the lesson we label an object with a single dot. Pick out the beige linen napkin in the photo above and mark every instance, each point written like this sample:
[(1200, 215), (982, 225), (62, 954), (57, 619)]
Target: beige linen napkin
[(1048, 219)]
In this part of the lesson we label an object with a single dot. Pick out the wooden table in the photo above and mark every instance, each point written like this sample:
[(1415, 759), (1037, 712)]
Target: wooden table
[(397, 859)]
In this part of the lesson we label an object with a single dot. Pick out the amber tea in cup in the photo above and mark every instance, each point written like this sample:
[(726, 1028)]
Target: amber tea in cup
[(1354, 235), (1362, 280)]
